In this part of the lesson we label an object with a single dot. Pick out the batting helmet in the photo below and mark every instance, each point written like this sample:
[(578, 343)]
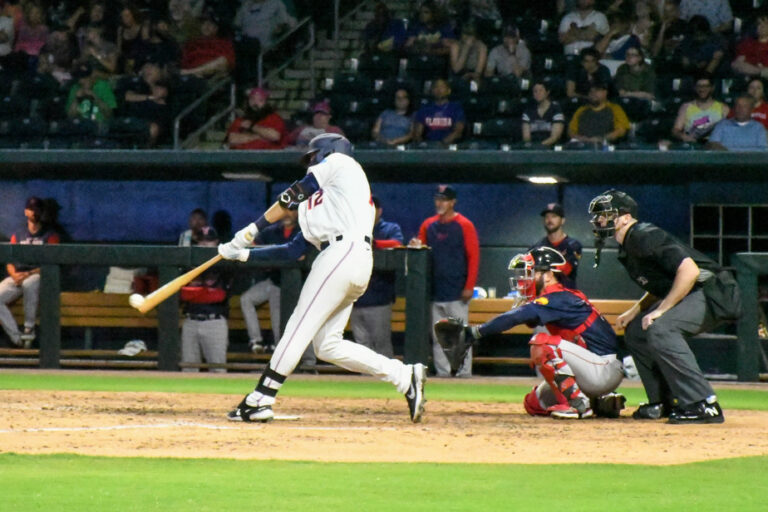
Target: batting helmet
[(606, 208), (325, 144)]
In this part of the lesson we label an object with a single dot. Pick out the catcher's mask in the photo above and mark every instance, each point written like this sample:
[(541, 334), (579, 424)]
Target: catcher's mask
[(524, 266), (323, 145), (606, 208)]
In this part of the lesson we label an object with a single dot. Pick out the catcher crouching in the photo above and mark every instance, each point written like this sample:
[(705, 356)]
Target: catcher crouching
[(577, 359)]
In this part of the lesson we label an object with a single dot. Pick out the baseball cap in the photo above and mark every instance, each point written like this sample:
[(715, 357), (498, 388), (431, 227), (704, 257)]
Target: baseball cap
[(34, 203), (445, 192), (259, 91), (322, 106), (599, 84), (555, 208)]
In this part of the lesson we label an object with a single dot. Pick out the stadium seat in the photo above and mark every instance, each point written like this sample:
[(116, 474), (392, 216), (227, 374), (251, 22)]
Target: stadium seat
[(478, 107), (378, 65), (636, 109), (668, 86), (14, 106), (129, 132), (349, 83), (556, 84), (357, 128), (498, 129), (501, 85), (426, 67), (547, 64), (570, 105)]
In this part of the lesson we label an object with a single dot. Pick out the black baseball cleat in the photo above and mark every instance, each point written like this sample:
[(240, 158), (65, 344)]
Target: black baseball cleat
[(248, 413), (415, 394), (697, 412), (654, 411)]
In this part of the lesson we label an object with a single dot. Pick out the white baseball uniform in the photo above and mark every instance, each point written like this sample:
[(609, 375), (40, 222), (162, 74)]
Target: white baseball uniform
[(337, 219)]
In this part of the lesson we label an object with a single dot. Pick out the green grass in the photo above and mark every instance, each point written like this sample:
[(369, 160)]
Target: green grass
[(445, 390), (64, 483)]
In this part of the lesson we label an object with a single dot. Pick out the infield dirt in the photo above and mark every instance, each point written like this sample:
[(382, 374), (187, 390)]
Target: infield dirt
[(354, 430)]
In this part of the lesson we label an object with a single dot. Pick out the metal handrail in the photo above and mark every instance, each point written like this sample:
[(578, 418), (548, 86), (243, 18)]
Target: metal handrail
[(192, 106), (311, 28), (337, 22), (195, 136)]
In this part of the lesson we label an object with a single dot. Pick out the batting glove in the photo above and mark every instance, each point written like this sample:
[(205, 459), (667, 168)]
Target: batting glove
[(245, 236), (229, 252)]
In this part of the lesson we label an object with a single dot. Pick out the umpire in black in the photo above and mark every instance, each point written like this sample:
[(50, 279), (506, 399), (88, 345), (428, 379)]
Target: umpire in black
[(673, 308)]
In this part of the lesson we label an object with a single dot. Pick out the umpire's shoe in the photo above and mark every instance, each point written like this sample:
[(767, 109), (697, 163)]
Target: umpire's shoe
[(698, 412), (654, 411), (249, 413), (415, 393)]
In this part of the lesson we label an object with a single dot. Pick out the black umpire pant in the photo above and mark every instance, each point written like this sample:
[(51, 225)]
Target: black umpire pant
[(663, 358)]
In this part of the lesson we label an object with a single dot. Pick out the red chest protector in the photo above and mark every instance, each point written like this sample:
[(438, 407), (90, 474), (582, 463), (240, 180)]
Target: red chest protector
[(573, 335)]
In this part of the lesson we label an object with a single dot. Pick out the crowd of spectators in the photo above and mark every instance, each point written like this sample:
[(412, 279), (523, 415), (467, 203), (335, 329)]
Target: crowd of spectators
[(116, 73), (482, 74)]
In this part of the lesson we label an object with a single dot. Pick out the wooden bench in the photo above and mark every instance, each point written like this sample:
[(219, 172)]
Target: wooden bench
[(97, 310)]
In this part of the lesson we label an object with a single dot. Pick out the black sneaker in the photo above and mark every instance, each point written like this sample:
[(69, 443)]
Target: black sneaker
[(248, 413), (415, 393), (654, 411), (698, 412)]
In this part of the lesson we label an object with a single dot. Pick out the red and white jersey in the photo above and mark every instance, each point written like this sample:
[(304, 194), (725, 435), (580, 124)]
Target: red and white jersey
[(342, 205)]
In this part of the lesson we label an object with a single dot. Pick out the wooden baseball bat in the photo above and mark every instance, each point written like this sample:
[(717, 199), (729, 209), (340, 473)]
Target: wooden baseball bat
[(273, 214)]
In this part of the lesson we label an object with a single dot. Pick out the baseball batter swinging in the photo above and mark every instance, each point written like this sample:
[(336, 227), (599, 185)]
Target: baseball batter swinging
[(336, 215)]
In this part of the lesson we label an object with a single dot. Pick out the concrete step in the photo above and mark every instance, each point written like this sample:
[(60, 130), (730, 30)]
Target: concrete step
[(350, 34), (297, 73), (355, 25), (215, 136), (323, 54), (282, 83)]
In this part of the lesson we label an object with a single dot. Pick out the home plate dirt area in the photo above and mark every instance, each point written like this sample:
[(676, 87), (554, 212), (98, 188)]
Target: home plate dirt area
[(355, 430)]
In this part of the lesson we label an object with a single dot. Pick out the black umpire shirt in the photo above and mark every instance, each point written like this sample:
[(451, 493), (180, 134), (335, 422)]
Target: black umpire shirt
[(652, 257)]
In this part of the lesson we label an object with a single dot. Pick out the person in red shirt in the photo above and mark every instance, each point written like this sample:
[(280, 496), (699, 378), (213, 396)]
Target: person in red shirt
[(24, 280), (752, 52), (210, 55), (756, 90), (260, 128)]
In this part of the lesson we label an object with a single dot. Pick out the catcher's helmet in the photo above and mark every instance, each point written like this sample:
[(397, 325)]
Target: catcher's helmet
[(606, 208), (523, 267), (325, 144)]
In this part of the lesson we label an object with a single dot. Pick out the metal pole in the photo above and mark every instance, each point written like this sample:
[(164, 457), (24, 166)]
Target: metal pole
[(336, 25)]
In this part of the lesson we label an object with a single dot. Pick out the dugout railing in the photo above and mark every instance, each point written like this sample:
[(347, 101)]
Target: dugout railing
[(412, 265)]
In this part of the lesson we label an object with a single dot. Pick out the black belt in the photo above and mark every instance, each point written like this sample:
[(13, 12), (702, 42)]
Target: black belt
[(204, 316), (339, 238)]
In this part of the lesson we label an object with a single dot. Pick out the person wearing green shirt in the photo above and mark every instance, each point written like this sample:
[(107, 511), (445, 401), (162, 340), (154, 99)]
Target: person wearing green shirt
[(90, 97)]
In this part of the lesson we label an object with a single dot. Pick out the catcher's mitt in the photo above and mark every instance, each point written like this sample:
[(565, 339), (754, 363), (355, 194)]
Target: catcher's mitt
[(452, 335)]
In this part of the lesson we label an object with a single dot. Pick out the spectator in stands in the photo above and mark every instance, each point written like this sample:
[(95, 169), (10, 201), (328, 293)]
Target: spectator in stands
[(259, 21), (553, 217), (671, 30), (23, 279), (384, 34), (198, 219), (511, 57), (6, 38), (543, 123), (581, 27), (635, 78), (97, 52), (60, 51), (703, 50), (717, 13), (395, 126), (211, 55), (600, 120), (31, 34), (590, 71), (261, 127), (752, 52), (644, 23), (455, 262), (696, 119), (157, 45), (430, 34), (371, 318), (205, 302), (614, 44), (185, 18), (742, 133), (484, 10), (469, 55), (756, 90), (321, 123), (91, 97), (81, 19), (441, 121), (128, 36), (148, 100)]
